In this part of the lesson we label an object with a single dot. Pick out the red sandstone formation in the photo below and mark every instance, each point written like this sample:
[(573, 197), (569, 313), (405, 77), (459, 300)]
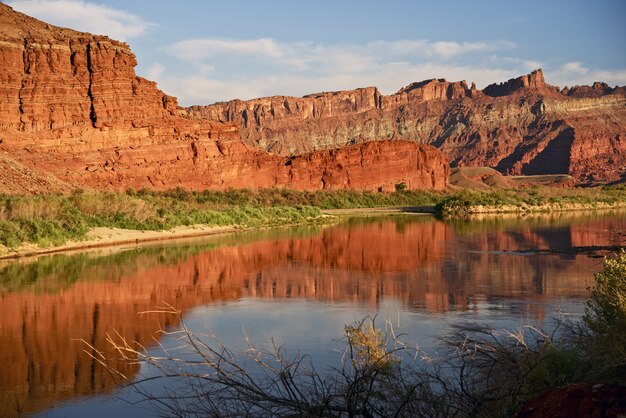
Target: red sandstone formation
[(522, 126), (72, 111)]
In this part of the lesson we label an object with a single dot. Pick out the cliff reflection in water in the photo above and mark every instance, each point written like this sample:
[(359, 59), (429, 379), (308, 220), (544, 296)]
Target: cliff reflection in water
[(51, 304)]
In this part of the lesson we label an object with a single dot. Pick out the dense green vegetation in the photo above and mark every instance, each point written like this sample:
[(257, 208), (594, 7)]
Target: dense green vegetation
[(53, 219), (469, 201), (605, 315)]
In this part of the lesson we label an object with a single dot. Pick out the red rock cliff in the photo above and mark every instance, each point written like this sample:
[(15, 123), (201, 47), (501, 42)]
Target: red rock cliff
[(73, 113), (522, 126)]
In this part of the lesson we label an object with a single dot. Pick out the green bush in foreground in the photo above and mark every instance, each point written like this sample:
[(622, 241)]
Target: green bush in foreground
[(605, 314)]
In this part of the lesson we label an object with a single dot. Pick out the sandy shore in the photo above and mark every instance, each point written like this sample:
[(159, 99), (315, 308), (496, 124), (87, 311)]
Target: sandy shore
[(107, 237), (110, 237)]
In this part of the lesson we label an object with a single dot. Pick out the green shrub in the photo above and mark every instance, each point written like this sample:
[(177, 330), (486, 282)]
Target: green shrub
[(605, 313), (401, 187)]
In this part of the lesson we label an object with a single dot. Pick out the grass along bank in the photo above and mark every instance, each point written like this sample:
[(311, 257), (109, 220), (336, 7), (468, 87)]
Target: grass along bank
[(534, 199), (52, 220)]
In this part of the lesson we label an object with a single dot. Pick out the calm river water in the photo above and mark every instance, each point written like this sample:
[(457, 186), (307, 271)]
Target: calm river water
[(299, 286)]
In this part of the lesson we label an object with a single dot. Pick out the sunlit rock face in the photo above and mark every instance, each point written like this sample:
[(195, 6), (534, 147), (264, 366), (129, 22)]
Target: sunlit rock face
[(74, 114), (522, 126)]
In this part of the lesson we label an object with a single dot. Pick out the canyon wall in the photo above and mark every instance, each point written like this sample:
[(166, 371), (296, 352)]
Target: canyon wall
[(218, 165), (522, 126), (74, 114)]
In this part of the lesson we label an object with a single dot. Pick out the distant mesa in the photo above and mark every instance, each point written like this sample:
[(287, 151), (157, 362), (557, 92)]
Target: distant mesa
[(522, 126), (533, 80), (73, 113)]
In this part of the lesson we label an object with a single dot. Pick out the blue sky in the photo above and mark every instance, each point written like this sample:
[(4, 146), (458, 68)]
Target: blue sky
[(207, 51)]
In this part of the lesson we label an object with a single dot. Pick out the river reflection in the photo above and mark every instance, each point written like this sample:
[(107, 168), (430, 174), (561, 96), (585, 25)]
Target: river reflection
[(424, 268)]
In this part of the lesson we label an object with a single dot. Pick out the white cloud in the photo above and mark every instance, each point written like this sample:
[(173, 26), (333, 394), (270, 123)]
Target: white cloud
[(84, 16), (210, 70), (199, 49), (300, 53), (576, 73), (449, 49), (223, 69), (155, 72)]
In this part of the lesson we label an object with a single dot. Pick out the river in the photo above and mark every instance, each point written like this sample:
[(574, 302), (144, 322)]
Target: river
[(299, 286)]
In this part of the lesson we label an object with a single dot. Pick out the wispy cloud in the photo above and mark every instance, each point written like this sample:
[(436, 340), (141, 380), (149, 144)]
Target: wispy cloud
[(223, 69), (84, 16), (200, 49), (210, 70), (290, 53), (576, 73), (155, 72), (450, 49)]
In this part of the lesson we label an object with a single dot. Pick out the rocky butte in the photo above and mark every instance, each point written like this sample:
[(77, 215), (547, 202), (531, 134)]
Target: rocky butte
[(74, 114), (522, 126)]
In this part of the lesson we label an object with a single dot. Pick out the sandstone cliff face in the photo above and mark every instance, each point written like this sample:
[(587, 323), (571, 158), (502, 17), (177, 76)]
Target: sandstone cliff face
[(522, 126), (218, 165), (54, 78), (73, 112)]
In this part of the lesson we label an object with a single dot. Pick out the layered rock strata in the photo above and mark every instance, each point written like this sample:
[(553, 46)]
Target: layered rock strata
[(522, 126), (219, 165), (73, 112)]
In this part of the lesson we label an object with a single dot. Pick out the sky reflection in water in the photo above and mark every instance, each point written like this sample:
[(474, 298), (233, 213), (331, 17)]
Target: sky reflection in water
[(299, 286)]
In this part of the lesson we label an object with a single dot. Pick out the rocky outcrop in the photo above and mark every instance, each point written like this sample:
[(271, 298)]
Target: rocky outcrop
[(218, 165), (484, 178), (57, 79), (72, 111), (522, 126), (597, 89), (417, 166), (533, 81)]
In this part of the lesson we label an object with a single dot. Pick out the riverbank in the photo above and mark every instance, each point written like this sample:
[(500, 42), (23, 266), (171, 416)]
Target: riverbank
[(42, 224), (112, 237), (530, 200), (101, 237)]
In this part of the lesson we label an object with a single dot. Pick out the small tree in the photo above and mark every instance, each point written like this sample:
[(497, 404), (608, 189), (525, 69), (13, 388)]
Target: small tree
[(605, 314), (401, 187)]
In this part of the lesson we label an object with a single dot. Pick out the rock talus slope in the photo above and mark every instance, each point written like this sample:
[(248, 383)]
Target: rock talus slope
[(73, 112), (522, 126)]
